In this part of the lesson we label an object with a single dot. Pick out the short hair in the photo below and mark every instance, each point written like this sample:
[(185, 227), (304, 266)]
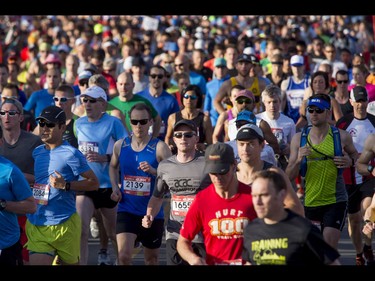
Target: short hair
[(14, 101), (276, 178), (141, 106), (99, 80), (272, 91), (66, 89)]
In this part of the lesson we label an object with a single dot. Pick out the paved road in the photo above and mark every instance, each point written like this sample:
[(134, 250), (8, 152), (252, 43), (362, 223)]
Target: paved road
[(345, 247)]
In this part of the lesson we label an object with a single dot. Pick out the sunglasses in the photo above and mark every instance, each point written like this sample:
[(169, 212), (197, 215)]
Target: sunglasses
[(186, 96), (220, 174), (62, 99), (84, 83), (342, 81), (179, 65), (186, 135), (141, 121), (10, 113), (89, 100), (49, 125), (159, 76), (242, 101), (317, 110)]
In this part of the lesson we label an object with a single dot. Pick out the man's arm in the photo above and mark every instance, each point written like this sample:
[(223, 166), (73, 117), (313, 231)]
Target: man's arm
[(156, 126), (187, 253), (221, 94), (269, 136), (295, 157), (368, 153)]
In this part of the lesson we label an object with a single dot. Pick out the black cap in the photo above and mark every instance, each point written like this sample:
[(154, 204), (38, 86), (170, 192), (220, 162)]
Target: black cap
[(244, 57), (185, 122), (359, 93), (218, 156), (53, 114)]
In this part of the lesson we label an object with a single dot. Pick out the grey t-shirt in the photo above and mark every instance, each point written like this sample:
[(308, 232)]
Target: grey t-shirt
[(183, 181)]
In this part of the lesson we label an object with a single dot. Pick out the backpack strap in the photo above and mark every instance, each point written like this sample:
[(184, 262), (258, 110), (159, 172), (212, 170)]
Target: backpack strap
[(303, 141)]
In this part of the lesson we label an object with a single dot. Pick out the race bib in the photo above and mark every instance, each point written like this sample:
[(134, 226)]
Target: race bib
[(86, 146), (40, 193), (181, 204), (137, 185)]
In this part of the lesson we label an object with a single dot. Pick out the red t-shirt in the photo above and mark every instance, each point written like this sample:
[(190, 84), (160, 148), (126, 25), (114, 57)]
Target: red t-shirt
[(222, 222)]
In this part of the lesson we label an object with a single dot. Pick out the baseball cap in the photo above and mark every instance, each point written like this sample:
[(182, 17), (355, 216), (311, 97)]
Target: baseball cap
[(358, 93), (52, 114), (218, 158), (245, 93), (246, 115), (109, 43), (220, 62), (52, 58), (318, 102), (63, 48), (296, 60), (44, 46), (249, 131), (79, 41), (84, 75), (187, 123), (95, 92), (244, 57)]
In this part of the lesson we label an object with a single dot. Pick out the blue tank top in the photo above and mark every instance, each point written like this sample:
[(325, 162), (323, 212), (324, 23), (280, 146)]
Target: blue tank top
[(136, 185)]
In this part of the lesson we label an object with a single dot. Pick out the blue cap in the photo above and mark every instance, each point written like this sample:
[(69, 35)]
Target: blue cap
[(318, 102), (246, 115), (220, 62)]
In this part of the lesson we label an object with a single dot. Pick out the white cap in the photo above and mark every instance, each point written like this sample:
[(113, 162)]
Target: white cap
[(296, 60), (128, 63), (199, 44), (80, 41), (95, 92), (249, 51)]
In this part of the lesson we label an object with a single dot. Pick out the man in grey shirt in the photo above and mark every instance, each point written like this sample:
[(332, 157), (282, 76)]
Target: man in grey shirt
[(182, 176)]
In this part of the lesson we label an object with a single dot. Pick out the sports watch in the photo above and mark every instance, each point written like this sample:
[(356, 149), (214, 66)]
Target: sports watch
[(370, 168), (3, 204)]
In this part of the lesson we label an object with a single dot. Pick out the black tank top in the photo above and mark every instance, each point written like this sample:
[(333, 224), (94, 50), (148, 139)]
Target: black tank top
[(198, 122)]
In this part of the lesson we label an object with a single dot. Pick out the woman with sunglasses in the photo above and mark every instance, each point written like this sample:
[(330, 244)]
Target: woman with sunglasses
[(191, 100)]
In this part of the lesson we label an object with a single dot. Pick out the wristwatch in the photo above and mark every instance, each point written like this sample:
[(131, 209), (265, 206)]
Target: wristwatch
[(370, 168), (3, 204), (67, 186)]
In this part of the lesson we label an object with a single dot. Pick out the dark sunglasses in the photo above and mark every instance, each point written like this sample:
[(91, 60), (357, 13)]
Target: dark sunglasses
[(49, 125), (342, 81), (10, 112), (186, 96), (186, 135), (159, 76), (83, 83), (317, 110), (62, 99), (141, 121), (247, 101), (220, 174), (89, 100)]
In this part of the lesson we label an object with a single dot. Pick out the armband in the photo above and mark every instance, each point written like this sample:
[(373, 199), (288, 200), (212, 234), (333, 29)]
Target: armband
[(108, 157), (67, 186)]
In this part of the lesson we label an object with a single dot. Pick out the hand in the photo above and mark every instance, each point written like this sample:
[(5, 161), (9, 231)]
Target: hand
[(58, 181), (116, 195), (147, 221), (368, 228)]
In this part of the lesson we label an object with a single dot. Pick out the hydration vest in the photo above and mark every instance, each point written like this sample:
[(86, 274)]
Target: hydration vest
[(336, 146)]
